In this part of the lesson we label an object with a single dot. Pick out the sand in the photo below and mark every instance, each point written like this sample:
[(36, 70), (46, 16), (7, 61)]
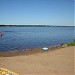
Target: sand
[(56, 62)]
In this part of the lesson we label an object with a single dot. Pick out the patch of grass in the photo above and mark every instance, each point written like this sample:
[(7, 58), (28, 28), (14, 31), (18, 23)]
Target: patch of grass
[(72, 43), (69, 44)]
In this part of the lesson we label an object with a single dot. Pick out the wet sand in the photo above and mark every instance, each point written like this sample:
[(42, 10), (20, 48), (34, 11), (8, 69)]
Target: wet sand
[(30, 51), (59, 61)]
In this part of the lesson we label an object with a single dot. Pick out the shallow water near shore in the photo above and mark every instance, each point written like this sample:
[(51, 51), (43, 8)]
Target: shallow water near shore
[(17, 38)]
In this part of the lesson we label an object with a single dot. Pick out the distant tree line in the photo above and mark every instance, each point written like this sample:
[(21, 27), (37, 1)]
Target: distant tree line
[(25, 25), (31, 26)]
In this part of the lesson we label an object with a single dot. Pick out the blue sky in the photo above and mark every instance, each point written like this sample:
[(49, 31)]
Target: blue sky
[(51, 12)]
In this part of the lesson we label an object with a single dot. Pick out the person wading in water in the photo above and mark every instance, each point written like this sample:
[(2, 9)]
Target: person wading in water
[(1, 34)]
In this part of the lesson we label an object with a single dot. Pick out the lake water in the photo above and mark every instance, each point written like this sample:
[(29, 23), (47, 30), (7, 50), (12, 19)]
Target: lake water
[(17, 38)]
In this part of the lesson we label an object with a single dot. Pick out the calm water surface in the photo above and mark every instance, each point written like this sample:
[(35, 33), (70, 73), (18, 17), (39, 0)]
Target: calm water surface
[(17, 38)]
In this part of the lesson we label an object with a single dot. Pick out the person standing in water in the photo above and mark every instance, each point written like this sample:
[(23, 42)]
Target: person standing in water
[(1, 34)]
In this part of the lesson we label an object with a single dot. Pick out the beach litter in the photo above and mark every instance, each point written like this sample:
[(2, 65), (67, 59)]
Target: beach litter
[(45, 48), (4, 71)]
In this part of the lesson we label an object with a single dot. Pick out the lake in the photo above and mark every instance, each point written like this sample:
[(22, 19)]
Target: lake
[(18, 38)]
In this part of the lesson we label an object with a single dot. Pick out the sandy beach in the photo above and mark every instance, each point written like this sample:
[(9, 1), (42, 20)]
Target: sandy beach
[(57, 62)]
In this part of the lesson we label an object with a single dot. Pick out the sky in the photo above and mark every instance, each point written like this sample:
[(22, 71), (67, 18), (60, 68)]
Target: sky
[(44, 12)]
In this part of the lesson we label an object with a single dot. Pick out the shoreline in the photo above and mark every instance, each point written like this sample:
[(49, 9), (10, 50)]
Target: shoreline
[(58, 61), (30, 51)]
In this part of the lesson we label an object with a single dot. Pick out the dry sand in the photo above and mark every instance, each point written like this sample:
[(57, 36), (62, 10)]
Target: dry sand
[(56, 62)]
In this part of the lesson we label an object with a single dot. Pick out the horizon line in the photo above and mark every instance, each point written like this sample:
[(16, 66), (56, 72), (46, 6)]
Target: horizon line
[(34, 25)]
